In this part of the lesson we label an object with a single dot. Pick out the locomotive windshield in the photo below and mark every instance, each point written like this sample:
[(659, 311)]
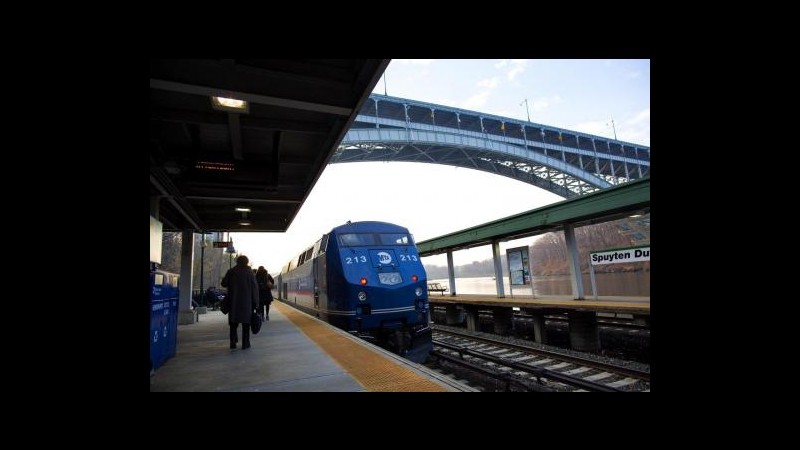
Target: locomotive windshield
[(363, 239), (394, 239)]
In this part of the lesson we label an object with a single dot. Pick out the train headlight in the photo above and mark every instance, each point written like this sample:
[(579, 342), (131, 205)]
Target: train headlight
[(362, 296), (390, 278), (414, 278), (418, 291), (363, 281)]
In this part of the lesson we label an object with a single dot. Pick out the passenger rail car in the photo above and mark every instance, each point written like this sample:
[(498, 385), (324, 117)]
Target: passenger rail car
[(365, 278)]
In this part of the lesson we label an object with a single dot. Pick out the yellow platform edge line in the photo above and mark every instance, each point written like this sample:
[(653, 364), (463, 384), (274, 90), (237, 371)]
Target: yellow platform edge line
[(539, 303), (371, 370)]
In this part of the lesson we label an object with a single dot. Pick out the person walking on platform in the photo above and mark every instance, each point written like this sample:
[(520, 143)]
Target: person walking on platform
[(243, 295), (265, 283)]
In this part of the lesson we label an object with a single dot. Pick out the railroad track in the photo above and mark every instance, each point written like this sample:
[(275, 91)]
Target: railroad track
[(602, 322), (520, 367)]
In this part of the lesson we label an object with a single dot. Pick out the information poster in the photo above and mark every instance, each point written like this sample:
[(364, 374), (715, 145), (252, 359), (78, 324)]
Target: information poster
[(155, 240), (518, 266)]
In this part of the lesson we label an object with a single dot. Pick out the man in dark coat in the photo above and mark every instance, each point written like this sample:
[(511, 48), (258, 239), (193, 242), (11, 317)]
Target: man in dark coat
[(243, 295)]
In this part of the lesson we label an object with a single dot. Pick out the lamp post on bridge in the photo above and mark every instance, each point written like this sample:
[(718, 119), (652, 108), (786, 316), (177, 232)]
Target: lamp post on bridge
[(526, 108), (613, 128)]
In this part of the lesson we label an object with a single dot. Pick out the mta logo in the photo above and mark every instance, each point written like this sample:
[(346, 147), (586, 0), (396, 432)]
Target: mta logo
[(384, 258)]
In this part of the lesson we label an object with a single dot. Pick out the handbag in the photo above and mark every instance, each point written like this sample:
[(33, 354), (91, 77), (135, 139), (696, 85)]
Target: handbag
[(225, 305), (255, 322)]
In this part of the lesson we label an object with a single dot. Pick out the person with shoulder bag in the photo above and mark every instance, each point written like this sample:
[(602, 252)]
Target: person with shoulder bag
[(265, 283)]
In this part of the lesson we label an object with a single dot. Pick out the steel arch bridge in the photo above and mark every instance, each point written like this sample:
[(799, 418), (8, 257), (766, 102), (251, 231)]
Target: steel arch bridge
[(564, 162)]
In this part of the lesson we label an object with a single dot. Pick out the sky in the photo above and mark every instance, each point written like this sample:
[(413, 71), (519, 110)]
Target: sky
[(432, 199)]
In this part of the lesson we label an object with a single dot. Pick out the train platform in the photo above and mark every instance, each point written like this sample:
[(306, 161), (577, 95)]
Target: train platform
[(293, 352), (632, 305)]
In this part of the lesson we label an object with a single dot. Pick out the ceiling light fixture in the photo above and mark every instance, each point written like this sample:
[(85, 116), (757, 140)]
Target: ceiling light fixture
[(230, 105), (243, 221)]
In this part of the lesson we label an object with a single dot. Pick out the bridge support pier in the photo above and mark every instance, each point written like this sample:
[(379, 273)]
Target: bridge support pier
[(539, 332), (453, 315), (503, 320), (584, 335), (472, 318)]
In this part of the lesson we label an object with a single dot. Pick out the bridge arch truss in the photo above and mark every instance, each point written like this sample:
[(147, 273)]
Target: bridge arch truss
[(564, 162)]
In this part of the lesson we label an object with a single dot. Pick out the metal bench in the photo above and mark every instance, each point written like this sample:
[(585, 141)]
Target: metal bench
[(436, 287)]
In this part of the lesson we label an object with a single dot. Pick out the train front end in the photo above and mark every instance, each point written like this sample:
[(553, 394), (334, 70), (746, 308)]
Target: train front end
[(384, 288)]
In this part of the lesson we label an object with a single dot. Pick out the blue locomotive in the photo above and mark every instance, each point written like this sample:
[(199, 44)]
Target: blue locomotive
[(365, 278)]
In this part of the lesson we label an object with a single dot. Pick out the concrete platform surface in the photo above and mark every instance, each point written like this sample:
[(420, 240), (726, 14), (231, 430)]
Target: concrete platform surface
[(293, 352), (281, 358)]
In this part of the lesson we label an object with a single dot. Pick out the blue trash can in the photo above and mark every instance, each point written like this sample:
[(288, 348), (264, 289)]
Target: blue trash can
[(163, 316)]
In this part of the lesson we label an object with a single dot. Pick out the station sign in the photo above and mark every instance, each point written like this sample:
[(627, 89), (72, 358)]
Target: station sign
[(221, 244), (620, 255)]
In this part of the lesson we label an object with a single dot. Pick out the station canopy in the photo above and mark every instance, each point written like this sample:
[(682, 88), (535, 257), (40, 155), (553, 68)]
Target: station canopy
[(238, 144)]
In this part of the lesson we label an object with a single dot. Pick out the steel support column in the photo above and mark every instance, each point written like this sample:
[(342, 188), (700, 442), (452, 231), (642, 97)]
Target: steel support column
[(451, 273), (574, 262), (186, 314), (498, 269)]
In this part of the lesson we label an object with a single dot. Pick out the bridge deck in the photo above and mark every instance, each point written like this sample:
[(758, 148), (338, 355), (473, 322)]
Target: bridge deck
[(565, 162)]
